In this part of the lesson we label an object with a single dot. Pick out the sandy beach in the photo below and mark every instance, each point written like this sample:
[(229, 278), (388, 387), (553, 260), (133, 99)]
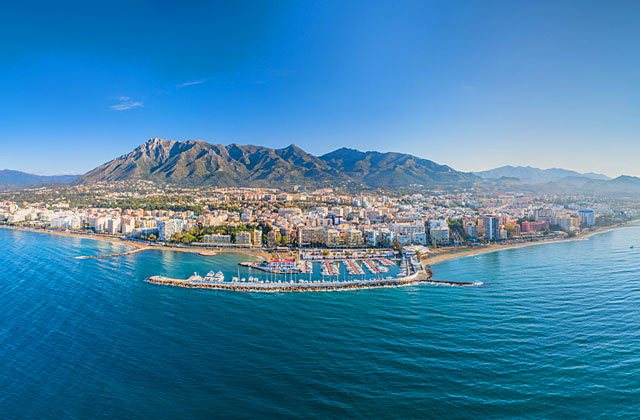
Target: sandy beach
[(141, 245), (435, 256), (446, 254)]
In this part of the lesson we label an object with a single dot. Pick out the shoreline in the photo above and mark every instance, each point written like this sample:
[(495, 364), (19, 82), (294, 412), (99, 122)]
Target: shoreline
[(141, 246), (448, 255), (426, 261)]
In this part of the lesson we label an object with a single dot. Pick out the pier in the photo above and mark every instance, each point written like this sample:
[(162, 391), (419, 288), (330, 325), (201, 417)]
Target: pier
[(371, 267), (355, 268)]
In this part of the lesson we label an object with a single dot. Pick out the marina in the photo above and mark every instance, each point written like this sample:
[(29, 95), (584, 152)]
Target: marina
[(280, 275)]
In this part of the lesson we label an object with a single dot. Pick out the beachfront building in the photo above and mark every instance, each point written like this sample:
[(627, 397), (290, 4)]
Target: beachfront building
[(491, 226), (243, 238), (532, 227), (127, 225), (439, 232), (168, 228), (98, 223), (113, 225), (439, 235), (66, 222), (217, 239), (256, 237), (587, 218), (471, 229), (565, 223)]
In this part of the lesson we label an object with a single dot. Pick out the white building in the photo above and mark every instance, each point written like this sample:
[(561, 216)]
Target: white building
[(217, 239), (409, 229), (587, 218), (168, 228), (243, 238)]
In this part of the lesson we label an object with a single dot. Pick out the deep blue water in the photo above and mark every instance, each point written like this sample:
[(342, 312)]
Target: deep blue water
[(554, 332)]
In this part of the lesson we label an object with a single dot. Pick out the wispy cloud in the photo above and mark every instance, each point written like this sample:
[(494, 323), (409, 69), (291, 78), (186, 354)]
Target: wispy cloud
[(125, 103), (191, 83), (469, 88)]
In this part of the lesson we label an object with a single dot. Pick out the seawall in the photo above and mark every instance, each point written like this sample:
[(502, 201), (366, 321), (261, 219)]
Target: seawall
[(417, 278)]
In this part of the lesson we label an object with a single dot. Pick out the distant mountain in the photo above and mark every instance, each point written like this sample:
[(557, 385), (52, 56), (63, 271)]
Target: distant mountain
[(393, 169), (536, 175), (199, 163), (621, 185), (11, 178)]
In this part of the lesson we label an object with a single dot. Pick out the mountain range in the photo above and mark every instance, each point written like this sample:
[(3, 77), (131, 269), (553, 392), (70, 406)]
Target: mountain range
[(201, 163), (536, 175), (198, 163), (13, 178)]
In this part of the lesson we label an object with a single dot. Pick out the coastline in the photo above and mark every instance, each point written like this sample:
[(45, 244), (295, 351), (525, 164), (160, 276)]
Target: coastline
[(138, 246), (426, 261), (449, 254)]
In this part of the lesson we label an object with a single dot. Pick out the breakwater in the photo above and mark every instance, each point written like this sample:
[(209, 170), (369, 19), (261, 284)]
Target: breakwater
[(272, 287), (119, 254)]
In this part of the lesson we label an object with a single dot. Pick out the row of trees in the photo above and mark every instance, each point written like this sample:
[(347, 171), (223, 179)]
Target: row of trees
[(196, 233)]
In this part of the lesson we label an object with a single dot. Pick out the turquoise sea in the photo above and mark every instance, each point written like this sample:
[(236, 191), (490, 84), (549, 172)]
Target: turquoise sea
[(554, 332)]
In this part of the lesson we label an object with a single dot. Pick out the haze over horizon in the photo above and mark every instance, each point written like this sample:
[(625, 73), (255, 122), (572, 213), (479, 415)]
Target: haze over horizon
[(473, 85)]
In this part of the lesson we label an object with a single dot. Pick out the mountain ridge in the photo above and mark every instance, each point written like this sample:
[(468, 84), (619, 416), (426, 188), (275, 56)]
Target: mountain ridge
[(199, 163), (202, 163), (536, 175), (14, 178)]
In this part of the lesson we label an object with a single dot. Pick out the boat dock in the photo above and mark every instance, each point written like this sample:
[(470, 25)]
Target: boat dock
[(371, 266), (329, 270), (354, 268), (386, 262)]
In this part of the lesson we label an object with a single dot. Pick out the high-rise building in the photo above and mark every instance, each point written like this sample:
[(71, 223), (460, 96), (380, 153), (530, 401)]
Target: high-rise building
[(587, 218), (439, 235), (168, 228), (128, 225), (491, 228)]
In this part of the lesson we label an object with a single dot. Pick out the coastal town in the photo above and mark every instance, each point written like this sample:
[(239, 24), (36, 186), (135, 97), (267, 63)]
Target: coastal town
[(321, 222)]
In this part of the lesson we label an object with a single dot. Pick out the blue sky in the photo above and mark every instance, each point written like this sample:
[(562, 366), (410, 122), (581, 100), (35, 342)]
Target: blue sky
[(472, 84)]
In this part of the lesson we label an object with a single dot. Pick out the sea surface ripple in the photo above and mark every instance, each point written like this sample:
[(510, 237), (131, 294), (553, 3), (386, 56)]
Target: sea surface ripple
[(553, 332)]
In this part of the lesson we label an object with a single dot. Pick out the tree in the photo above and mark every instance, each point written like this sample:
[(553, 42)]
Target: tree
[(397, 246), (188, 238)]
